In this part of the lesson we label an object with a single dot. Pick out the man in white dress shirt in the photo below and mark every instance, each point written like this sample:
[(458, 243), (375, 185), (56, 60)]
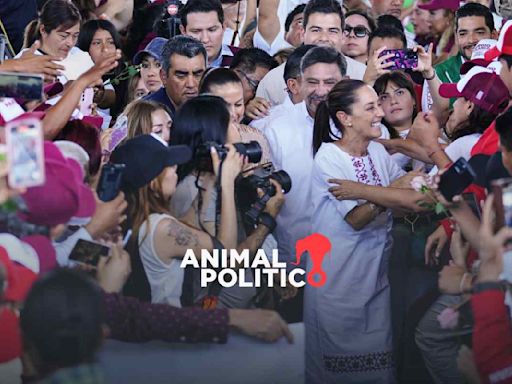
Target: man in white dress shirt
[(323, 25), (290, 137), (292, 79)]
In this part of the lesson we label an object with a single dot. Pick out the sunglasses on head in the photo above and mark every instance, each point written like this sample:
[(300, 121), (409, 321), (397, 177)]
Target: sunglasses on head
[(359, 30)]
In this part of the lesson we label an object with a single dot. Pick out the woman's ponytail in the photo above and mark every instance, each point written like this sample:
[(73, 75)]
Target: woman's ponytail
[(32, 33), (322, 127)]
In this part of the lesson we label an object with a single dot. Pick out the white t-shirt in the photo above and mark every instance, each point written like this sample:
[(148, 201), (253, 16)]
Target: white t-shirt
[(273, 87), (276, 111), (166, 280)]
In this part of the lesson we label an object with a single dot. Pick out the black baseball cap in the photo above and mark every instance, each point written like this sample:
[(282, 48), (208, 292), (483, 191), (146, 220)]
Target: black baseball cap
[(145, 157)]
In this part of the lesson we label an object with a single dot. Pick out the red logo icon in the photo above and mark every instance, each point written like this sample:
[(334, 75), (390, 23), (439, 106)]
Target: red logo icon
[(318, 246)]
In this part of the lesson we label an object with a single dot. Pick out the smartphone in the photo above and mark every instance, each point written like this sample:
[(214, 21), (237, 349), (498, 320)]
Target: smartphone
[(502, 190), (119, 132), (87, 252), (21, 86), (86, 101), (402, 58), (24, 139), (470, 199), (456, 179), (110, 181)]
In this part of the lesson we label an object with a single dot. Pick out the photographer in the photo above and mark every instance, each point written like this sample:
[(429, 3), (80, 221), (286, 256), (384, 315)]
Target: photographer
[(159, 239), (206, 119)]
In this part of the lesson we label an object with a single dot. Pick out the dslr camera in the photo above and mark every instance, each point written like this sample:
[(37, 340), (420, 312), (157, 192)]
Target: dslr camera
[(248, 199), (203, 159)]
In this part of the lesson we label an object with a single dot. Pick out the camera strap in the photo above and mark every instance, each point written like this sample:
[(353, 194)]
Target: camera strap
[(211, 300)]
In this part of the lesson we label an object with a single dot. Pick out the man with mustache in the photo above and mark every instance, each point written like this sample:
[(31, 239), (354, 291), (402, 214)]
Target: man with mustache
[(387, 7), (473, 22)]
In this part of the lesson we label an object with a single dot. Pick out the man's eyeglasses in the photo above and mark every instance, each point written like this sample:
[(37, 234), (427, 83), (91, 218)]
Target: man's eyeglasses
[(360, 31), (252, 83)]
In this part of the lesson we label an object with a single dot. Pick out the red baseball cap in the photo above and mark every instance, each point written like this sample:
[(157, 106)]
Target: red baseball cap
[(504, 46), (478, 55), (19, 279), (440, 4), (482, 86)]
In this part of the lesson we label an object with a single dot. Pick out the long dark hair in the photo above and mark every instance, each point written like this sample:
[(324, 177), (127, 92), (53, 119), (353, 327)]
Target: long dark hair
[(401, 80), (201, 119), (478, 121), (341, 98), (55, 14)]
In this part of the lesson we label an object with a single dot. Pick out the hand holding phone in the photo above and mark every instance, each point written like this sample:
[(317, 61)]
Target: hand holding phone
[(401, 59), (87, 252)]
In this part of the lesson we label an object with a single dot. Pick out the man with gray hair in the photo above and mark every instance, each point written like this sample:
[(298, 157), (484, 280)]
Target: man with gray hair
[(183, 64)]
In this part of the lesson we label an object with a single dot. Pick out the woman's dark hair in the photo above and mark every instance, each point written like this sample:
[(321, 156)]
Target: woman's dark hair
[(341, 98), (62, 320), (401, 80), (87, 136), (146, 20), (202, 119), (56, 14), (369, 19), (478, 121), (218, 77), (90, 27)]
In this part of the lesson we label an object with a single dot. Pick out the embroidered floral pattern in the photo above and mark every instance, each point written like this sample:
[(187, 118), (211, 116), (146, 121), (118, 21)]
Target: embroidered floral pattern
[(359, 363), (362, 173)]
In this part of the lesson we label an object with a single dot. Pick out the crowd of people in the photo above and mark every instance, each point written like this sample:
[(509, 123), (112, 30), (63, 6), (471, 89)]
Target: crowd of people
[(162, 127)]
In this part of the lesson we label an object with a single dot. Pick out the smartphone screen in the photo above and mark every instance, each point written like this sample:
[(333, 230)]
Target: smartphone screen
[(25, 154), (87, 252), (21, 86)]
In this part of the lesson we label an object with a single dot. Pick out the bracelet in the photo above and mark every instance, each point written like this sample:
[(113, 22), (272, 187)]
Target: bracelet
[(432, 77), (267, 220), (462, 281)]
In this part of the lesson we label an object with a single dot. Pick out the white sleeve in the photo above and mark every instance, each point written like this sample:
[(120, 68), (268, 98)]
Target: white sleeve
[(64, 248), (323, 170), (275, 148)]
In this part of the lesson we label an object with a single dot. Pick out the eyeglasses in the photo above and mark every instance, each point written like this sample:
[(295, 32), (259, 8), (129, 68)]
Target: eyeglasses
[(252, 83), (360, 31)]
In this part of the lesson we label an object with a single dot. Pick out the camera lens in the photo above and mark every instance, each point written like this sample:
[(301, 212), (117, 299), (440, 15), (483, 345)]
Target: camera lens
[(283, 179), (252, 150)]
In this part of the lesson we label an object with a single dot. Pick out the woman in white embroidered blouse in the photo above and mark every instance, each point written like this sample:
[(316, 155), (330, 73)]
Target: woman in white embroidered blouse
[(348, 321)]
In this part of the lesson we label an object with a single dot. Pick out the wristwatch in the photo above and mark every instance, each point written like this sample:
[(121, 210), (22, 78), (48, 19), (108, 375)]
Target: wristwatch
[(487, 286), (267, 220)]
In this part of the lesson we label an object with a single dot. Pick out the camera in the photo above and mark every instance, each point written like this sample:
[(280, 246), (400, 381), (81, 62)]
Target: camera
[(203, 158), (247, 195)]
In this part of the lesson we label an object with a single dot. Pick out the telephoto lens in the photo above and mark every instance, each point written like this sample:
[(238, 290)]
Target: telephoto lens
[(202, 156)]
